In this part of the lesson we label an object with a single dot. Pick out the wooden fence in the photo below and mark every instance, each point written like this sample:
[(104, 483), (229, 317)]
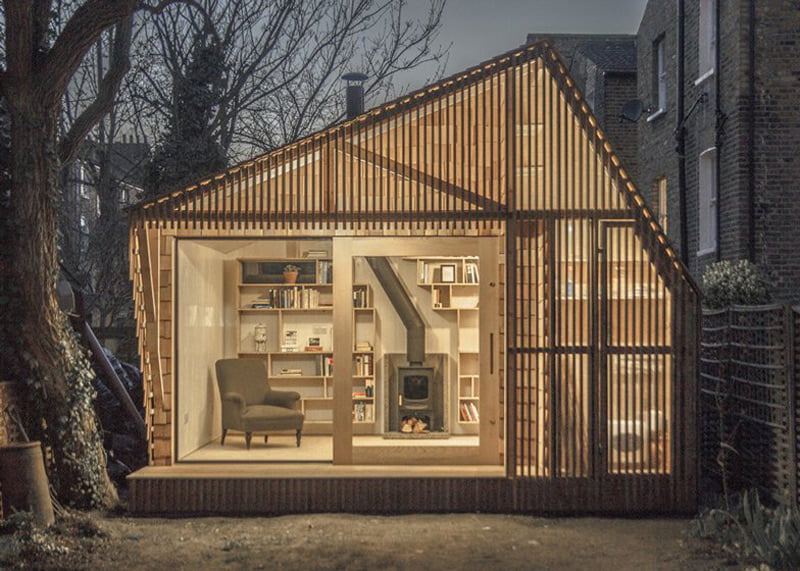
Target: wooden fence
[(749, 366)]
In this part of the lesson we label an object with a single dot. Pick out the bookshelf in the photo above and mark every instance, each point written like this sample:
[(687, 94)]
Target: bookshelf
[(364, 390), (454, 284), (288, 321)]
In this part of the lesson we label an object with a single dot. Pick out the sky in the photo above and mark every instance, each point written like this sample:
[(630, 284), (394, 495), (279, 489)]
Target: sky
[(482, 29)]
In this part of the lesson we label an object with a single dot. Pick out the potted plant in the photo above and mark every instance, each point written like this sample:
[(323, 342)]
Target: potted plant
[(290, 273)]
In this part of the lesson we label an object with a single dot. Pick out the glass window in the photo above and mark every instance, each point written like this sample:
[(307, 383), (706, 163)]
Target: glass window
[(707, 38), (661, 201), (659, 75), (707, 202)]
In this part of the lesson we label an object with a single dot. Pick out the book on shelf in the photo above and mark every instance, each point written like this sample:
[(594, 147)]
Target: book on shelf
[(260, 305), (289, 298), (313, 349), (471, 273), (363, 412), (473, 412), (291, 371), (423, 273), (437, 297), (360, 297), (363, 346), (327, 367), (289, 349), (468, 412), (363, 365), (325, 272), (359, 394)]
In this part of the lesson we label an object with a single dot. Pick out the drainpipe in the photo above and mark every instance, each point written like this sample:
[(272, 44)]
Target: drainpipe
[(681, 137), (719, 120), (751, 134)]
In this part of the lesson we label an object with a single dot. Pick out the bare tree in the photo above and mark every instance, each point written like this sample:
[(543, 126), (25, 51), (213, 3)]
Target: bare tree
[(283, 60), (37, 346), (105, 176)]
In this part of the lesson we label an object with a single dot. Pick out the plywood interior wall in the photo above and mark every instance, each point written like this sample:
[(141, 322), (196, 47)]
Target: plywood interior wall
[(201, 329)]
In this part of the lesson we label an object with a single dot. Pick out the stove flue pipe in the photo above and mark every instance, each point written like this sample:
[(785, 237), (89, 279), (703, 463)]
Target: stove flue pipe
[(415, 327)]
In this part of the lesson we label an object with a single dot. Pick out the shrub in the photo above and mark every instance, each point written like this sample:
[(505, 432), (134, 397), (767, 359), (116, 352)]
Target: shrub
[(752, 530), (733, 283)]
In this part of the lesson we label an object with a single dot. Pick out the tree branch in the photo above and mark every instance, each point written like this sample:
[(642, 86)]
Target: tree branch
[(106, 94), (78, 36)]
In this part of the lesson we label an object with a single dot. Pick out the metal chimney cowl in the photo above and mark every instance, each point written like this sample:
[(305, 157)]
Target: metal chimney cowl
[(355, 93)]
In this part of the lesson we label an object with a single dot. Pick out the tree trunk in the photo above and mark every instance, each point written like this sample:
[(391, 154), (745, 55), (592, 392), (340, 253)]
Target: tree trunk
[(39, 347)]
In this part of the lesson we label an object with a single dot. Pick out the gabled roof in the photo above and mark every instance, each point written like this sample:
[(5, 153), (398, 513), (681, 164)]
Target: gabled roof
[(426, 155), (540, 49)]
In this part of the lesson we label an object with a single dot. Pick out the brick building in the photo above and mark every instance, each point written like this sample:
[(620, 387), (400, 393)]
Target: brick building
[(718, 141), (604, 68)]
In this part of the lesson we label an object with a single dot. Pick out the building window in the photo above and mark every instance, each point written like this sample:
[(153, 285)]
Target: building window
[(707, 203), (660, 188), (83, 185), (659, 79), (707, 39)]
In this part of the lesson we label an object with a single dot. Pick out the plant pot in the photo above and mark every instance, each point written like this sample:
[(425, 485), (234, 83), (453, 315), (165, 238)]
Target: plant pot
[(24, 481), (290, 277)]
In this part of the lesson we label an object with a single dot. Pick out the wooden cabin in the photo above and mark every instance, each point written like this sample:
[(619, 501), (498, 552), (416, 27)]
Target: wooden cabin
[(486, 214)]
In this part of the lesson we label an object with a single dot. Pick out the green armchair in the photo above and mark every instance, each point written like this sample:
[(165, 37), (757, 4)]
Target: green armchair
[(250, 405)]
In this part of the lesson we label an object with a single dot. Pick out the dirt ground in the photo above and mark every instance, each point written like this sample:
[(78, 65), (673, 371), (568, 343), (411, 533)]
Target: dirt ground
[(352, 542)]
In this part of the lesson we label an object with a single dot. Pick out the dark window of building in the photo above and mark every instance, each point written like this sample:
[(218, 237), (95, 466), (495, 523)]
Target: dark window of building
[(707, 38), (660, 191), (707, 203), (659, 88)]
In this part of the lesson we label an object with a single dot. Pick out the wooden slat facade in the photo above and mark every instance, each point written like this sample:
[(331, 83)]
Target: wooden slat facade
[(599, 320)]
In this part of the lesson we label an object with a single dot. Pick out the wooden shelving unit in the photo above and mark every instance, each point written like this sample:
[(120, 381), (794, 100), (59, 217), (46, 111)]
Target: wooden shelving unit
[(365, 400), (298, 318), (454, 284)]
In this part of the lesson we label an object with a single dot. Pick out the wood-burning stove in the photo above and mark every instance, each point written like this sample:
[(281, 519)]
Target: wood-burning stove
[(416, 392)]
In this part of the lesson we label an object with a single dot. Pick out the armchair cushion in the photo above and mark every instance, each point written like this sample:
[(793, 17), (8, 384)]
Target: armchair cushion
[(262, 417), (286, 399)]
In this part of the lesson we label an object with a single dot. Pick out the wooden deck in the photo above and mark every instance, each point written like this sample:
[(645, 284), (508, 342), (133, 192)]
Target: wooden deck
[(314, 470), (271, 489)]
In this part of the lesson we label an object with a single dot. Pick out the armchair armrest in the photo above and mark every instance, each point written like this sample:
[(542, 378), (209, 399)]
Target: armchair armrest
[(286, 399), (236, 399)]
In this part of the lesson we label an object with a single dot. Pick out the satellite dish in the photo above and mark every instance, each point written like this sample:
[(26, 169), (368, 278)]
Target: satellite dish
[(632, 110)]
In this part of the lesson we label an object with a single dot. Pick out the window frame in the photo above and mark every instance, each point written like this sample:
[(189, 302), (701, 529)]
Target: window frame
[(706, 40), (662, 213), (707, 198), (659, 79)]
